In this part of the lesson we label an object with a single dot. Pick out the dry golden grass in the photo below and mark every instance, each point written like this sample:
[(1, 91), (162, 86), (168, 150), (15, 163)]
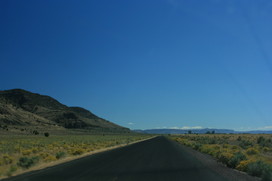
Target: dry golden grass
[(22, 153), (251, 153)]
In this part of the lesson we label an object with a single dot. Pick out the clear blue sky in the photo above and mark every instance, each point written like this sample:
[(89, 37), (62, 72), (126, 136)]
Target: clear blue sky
[(145, 64)]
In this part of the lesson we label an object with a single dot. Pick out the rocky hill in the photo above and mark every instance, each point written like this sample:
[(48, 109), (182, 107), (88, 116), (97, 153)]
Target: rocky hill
[(22, 109)]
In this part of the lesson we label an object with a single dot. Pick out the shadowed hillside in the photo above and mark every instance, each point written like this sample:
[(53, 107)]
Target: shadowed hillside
[(25, 109)]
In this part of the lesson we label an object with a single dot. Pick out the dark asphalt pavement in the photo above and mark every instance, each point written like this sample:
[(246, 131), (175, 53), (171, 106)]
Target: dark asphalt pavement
[(155, 159)]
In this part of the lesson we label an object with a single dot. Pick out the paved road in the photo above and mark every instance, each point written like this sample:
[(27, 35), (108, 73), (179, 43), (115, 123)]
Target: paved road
[(155, 159)]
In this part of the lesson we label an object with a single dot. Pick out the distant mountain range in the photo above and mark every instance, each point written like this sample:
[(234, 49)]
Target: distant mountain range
[(22, 109), (200, 131)]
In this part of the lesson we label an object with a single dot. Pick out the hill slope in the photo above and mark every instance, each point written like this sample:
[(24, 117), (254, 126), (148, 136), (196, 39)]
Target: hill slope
[(22, 108)]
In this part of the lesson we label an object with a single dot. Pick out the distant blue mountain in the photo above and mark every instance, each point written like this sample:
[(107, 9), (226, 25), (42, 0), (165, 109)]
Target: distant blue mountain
[(258, 132), (200, 131)]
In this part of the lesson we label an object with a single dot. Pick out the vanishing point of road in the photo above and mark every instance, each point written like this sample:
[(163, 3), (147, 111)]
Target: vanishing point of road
[(156, 159)]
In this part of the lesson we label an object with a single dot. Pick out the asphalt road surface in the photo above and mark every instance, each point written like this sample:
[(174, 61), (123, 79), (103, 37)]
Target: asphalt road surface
[(155, 159)]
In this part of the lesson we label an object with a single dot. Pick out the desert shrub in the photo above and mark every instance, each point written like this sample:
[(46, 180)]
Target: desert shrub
[(43, 155), (216, 153), (186, 142), (236, 159), (206, 148), (26, 162), (245, 144), (6, 159), (260, 169), (260, 140), (205, 140), (252, 151), (35, 132), (212, 141), (46, 134), (225, 157), (60, 155), (235, 147), (264, 142), (50, 158), (77, 151), (17, 148), (11, 170), (222, 141), (210, 149), (35, 150), (242, 166), (266, 149), (26, 152), (197, 146)]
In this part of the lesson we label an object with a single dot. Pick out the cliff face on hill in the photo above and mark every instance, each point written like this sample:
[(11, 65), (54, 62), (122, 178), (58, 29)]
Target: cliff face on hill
[(22, 108)]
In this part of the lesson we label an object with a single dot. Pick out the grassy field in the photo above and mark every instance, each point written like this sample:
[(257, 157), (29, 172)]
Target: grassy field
[(23, 152), (245, 152)]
